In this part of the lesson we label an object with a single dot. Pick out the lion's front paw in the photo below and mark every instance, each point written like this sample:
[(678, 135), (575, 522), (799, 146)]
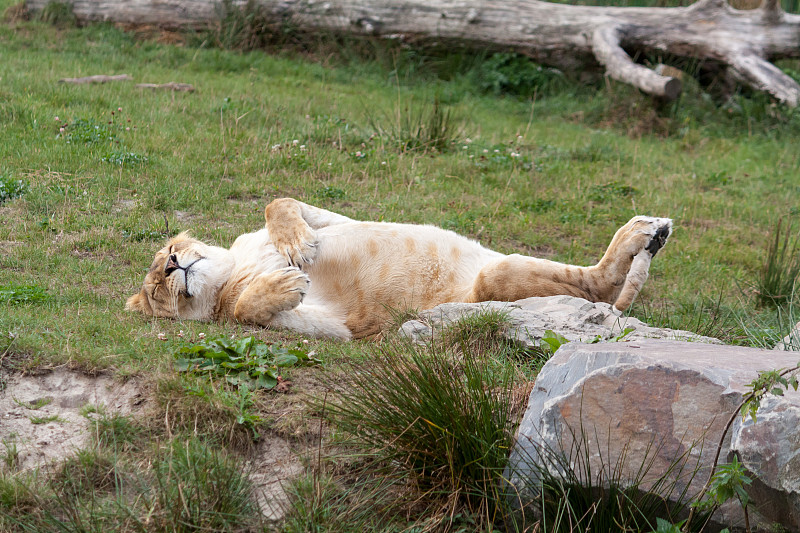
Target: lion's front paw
[(271, 293), (288, 287), (299, 248)]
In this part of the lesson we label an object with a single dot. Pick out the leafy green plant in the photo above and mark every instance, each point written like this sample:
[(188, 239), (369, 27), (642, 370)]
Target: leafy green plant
[(780, 271), (508, 73), (89, 132), (331, 193), (23, 294), (11, 188), (124, 158), (728, 482), (553, 340), (247, 362)]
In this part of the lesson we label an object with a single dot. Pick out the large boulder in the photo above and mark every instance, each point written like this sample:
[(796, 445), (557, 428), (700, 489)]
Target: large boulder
[(654, 400), (528, 320)]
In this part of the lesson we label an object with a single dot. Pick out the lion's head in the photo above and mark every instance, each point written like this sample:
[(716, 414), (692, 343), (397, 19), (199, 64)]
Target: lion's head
[(184, 280)]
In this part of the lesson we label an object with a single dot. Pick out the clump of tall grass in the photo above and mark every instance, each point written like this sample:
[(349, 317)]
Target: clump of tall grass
[(411, 126), (200, 488), (780, 271), (443, 419), (247, 27), (59, 14)]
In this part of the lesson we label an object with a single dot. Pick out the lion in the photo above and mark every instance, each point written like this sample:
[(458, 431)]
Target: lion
[(326, 275)]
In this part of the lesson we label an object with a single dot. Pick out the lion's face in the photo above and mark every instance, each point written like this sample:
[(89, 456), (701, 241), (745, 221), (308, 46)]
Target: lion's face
[(183, 280)]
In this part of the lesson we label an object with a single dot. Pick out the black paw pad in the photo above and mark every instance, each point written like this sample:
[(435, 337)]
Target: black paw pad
[(658, 240)]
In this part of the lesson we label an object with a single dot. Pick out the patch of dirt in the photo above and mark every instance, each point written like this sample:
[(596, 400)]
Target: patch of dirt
[(274, 465), (61, 393)]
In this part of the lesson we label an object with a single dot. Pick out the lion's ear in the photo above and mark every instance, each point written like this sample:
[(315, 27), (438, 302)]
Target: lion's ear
[(139, 302), (180, 237)]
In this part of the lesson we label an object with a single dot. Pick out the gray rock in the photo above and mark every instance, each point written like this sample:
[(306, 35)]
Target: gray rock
[(660, 399), (574, 318), (791, 342)]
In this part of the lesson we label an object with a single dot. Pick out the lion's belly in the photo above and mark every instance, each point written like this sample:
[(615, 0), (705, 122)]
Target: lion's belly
[(370, 270)]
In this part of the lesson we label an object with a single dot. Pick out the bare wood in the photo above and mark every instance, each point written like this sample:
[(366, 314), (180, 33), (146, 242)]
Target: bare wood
[(564, 36), (170, 86), (100, 78)]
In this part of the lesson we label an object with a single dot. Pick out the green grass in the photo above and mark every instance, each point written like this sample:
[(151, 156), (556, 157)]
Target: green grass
[(94, 178)]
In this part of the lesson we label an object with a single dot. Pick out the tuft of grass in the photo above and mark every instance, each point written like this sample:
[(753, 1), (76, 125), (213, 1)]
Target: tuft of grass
[(419, 127), (200, 488), (10, 457), (45, 419), (59, 14), (247, 26), (36, 404), (780, 271), (444, 419), (115, 431)]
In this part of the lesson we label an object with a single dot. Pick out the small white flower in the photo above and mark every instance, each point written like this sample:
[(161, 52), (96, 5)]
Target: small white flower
[(312, 353), (468, 140), (302, 147), (295, 142), (201, 335), (485, 151), (127, 129), (383, 162), (519, 137), (57, 119), (497, 151), (180, 333), (162, 336), (359, 154), (61, 130), (276, 147), (308, 116), (464, 147)]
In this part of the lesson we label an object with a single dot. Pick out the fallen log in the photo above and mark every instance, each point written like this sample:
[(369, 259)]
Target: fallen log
[(99, 78), (572, 38), (170, 86)]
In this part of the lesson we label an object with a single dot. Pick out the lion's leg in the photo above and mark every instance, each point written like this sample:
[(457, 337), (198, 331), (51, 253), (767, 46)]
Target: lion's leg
[(616, 279), (625, 266), (269, 294), (291, 226), (515, 277)]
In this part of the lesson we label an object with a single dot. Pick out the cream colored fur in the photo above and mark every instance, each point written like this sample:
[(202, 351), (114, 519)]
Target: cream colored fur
[(326, 275)]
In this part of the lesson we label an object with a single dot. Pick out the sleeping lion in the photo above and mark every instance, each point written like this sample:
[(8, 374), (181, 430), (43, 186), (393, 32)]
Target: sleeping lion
[(323, 274)]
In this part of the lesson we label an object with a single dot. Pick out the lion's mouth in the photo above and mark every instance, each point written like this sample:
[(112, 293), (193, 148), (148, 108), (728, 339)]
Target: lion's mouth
[(173, 265)]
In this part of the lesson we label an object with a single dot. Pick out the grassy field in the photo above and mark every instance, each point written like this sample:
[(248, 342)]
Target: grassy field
[(93, 178)]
